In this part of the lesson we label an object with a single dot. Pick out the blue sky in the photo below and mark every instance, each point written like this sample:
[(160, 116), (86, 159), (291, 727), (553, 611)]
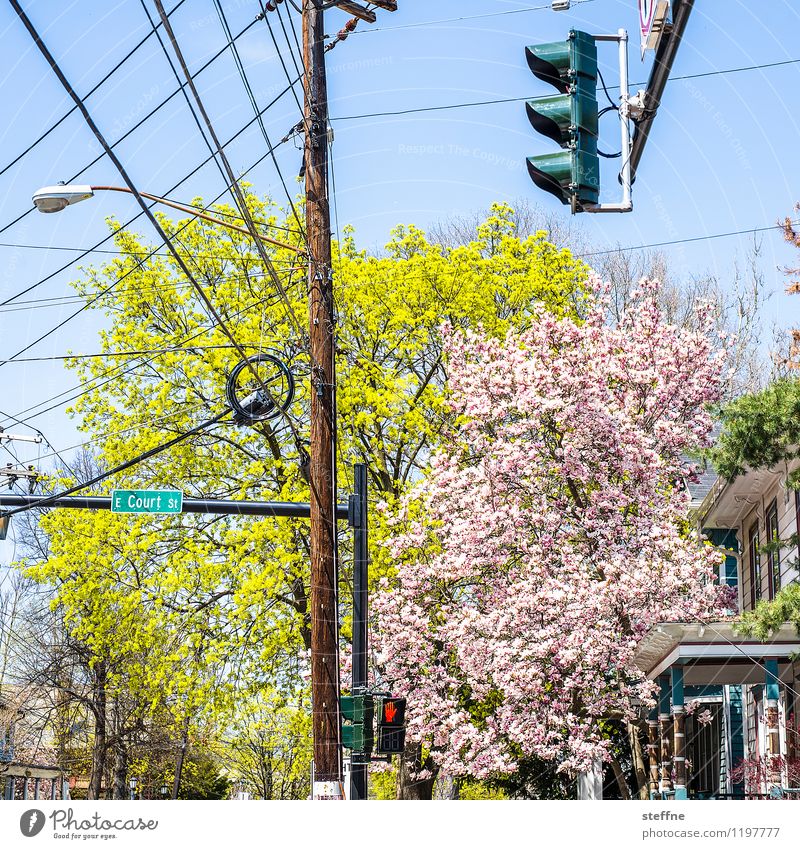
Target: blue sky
[(722, 154)]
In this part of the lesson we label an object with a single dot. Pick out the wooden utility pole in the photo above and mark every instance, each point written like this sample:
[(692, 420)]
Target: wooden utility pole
[(324, 611)]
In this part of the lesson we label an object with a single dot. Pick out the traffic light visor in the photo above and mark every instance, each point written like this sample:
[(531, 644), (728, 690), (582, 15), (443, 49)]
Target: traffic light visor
[(558, 61), (568, 173), (559, 115)]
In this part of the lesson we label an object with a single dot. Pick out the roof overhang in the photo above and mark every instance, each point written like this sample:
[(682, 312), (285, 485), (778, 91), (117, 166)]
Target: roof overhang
[(712, 653)]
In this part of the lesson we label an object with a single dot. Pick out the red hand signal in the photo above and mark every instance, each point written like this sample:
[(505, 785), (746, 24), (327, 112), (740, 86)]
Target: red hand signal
[(390, 711)]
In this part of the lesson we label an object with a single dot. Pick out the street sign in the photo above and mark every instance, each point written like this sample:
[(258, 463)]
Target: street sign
[(653, 15), (146, 501)]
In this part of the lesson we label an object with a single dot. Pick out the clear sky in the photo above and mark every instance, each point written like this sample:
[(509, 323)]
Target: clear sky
[(722, 154)]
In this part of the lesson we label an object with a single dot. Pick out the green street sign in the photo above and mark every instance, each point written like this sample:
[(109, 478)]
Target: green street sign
[(146, 501)]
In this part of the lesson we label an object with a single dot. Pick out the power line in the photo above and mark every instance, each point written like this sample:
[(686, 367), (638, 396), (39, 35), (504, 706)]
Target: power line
[(104, 293), (467, 18), (168, 192), (298, 73), (254, 103), (182, 87), (117, 293), (684, 241), (139, 458), (140, 353), (116, 252), (104, 437), (88, 94), (233, 183), (143, 120), (112, 374), (141, 201), (500, 100)]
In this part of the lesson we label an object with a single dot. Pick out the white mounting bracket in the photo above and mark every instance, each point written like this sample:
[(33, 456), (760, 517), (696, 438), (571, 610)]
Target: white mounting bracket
[(626, 112)]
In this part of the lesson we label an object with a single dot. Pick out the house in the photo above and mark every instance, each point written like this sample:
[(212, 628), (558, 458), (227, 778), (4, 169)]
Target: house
[(21, 777), (726, 723)]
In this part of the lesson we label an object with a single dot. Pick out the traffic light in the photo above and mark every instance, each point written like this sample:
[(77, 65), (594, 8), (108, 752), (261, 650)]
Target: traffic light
[(359, 711), (5, 521), (568, 118), (391, 726)]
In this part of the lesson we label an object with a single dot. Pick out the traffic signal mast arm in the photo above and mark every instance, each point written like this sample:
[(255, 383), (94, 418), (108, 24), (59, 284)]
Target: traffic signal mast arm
[(662, 67)]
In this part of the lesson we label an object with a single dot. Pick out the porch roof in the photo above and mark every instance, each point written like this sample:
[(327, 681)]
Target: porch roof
[(711, 653)]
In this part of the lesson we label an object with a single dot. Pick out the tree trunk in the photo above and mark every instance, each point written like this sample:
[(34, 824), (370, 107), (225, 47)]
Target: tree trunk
[(176, 788), (120, 783), (411, 764), (619, 775), (99, 742), (639, 767)]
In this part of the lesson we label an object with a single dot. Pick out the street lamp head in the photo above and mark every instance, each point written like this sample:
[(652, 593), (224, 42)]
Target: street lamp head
[(56, 198)]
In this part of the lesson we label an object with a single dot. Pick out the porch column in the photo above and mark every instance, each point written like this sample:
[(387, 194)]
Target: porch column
[(590, 783), (773, 732), (679, 732), (666, 738), (37, 788), (652, 751), (9, 793)]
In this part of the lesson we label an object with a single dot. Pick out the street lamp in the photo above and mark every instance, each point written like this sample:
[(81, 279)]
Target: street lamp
[(55, 198), (164, 790), (132, 782)]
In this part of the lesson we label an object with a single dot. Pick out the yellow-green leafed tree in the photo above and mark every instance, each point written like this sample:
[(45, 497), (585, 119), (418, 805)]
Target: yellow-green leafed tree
[(200, 612)]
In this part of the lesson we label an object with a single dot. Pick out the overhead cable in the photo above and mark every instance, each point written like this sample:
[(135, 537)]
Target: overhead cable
[(139, 214), (139, 458), (141, 121), (254, 103), (129, 183), (233, 180), (88, 94), (499, 100)]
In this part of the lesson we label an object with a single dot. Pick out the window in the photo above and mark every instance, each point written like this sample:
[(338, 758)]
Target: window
[(755, 564), (773, 557)]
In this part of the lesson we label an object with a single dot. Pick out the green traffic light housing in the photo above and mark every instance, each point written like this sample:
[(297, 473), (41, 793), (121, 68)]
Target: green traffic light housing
[(359, 711), (560, 116), (572, 176), (570, 119), (561, 62)]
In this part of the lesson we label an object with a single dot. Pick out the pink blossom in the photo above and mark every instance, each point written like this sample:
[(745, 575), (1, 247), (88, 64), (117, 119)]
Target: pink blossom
[(554, 535)]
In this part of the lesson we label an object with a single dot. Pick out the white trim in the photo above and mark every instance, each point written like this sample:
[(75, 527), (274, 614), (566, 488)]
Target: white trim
[(751, 651)]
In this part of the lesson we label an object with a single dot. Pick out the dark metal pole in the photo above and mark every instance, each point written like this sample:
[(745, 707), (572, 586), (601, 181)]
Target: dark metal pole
[(219, 506), (665, 57), (360, 525)]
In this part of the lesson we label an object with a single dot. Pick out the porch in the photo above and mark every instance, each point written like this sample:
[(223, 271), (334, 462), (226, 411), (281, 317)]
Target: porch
[(711, 665)]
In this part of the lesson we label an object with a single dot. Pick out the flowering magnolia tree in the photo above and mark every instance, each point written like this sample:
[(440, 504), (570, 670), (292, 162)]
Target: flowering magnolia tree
[(549, 536)]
